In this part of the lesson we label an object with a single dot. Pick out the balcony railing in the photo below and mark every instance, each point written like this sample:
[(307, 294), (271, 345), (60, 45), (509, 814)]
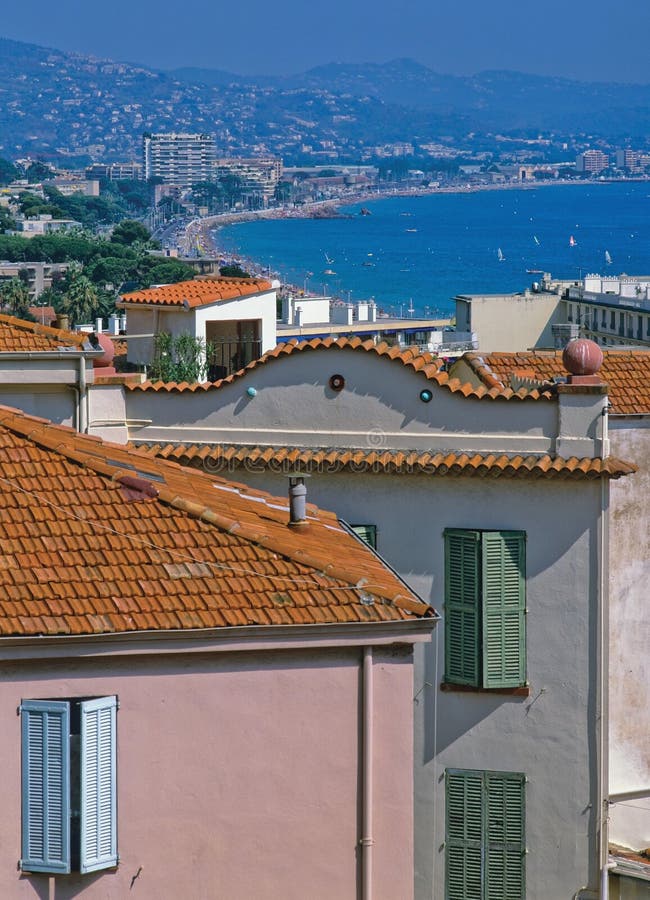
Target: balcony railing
[(225, 357)]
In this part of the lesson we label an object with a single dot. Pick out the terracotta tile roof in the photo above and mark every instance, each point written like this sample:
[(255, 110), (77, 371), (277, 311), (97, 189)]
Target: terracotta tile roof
[(424, 363), (95, 537), (43, 314), (197, 292), (221, 458), (19, 336), (626, 372)]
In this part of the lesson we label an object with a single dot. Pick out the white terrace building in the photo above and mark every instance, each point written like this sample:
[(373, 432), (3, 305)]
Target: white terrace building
[(236, 316)]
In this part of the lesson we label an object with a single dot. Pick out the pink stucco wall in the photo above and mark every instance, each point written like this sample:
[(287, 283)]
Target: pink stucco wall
[(238, 775)]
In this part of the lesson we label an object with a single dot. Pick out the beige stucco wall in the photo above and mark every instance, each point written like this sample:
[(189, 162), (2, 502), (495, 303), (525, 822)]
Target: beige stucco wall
[(238, 774), (510, 322), (630, 634)]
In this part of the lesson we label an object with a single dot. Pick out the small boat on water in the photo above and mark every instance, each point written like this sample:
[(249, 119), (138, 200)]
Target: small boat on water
[(572, 242), (364, 211), (500, 255), (536, 239), (608, 258), (329, 272), (410, 230), (534, 271)]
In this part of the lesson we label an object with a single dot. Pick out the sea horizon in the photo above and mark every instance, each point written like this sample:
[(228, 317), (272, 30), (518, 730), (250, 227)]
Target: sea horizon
[(427, 249)]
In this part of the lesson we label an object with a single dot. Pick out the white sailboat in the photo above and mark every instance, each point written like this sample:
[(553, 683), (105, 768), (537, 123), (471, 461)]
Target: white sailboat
[(536, 239), (500, 255), (608, 258)]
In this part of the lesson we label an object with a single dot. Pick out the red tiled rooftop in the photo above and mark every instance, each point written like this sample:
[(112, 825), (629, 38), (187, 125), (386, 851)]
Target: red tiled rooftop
[(19, 336), (200, 291), (96, 537), (216, 458), (626, 372), (411, 357)]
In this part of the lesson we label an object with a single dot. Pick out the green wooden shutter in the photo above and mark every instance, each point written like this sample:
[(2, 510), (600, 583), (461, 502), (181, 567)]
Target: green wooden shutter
[(462, 586), (505, 836), (367, 533), (503, 602), (45, 727), (98, 784), (463, 838)]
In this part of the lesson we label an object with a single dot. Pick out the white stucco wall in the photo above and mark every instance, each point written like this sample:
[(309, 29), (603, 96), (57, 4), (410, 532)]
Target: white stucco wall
[(630, 634), (379, 407)]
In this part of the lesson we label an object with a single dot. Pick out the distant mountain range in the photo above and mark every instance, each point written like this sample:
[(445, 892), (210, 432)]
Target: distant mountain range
[(57, 104)]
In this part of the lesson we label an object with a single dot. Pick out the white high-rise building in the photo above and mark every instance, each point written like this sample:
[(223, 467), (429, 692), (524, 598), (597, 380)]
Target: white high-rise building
[(182, 159)]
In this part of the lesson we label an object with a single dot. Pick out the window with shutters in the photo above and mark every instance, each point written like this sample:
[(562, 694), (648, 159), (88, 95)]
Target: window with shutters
[(485, 594), (484, 835), (367, 533), (69, 785)]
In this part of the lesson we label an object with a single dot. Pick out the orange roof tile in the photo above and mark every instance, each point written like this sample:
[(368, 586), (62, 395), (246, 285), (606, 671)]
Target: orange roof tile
[(411, 357), (97, 537), (200, 291), (626, 372), (19, 336), (216, 458)]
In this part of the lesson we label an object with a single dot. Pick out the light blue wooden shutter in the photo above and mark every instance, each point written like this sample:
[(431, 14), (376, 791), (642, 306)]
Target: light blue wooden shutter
[(503, 596), (505, 836), (462, 586), (463, 839), (45, 727), (98, 784)]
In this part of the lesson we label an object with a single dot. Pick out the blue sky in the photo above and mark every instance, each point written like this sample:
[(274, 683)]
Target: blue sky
[(592, 40)]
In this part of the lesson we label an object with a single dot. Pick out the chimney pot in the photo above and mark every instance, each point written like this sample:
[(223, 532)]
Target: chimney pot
[(298, 499)]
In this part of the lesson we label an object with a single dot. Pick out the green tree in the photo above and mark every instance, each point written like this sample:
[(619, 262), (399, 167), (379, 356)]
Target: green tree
[(14, 296), (233, 272), (39, 171), (8, 172), (167, 272), (7, 223), (130, 232), (79, 298)]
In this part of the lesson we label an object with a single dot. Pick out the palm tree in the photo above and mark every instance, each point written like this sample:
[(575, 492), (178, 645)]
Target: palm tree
[(80, 299), (14, 298)]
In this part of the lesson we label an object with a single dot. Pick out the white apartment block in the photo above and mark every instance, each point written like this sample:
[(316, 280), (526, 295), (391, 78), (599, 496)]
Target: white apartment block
[(181, 159)]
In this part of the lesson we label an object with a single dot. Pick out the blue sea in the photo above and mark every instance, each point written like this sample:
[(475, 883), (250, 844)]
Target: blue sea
[(428, 249)]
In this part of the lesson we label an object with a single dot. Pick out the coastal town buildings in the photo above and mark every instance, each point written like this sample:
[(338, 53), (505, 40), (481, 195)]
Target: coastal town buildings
[(428, 467), (177, 650), (37, 275), (115, 171), (612, 310), (258, 177), (377, 429), (180, 159), (592, 162)]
